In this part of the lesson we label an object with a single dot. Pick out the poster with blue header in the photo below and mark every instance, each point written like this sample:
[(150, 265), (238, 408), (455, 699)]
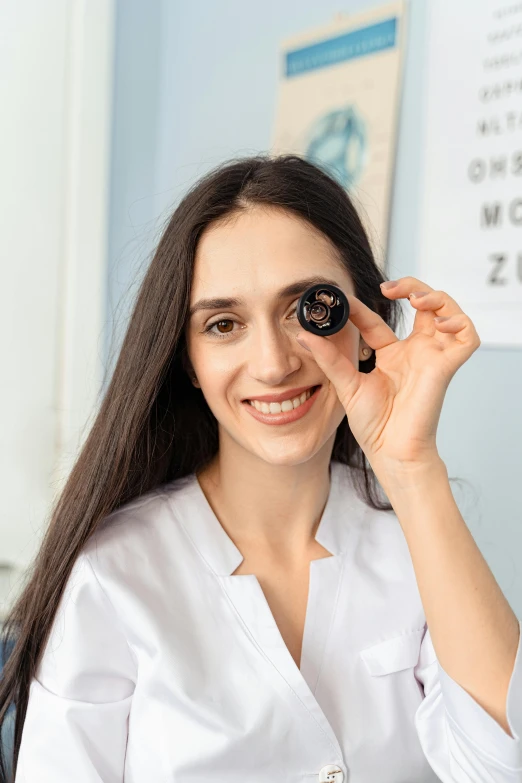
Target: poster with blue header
[(338, 102)]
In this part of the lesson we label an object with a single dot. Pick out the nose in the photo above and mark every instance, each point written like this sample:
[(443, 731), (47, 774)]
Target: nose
[(274, 354)]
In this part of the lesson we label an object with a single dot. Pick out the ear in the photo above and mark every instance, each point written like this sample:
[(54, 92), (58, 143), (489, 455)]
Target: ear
[(365, 351)]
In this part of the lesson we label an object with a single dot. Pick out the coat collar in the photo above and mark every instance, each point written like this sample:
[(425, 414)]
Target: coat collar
[(343, 512)]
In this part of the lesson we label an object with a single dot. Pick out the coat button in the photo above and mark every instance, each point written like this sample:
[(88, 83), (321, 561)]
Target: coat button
[(331, 774)]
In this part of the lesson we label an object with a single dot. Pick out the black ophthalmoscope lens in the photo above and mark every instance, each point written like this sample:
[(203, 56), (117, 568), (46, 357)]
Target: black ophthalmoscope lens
[(323, 309)]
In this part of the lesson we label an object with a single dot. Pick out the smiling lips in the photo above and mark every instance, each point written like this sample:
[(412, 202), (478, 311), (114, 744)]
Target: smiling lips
[(287, 404), (284, 412), (290, 394)]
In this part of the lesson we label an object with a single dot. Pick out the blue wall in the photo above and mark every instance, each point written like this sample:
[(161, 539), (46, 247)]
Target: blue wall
[(196, 83)]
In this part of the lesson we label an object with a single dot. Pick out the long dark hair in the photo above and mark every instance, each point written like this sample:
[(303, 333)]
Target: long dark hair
[(153, 425)]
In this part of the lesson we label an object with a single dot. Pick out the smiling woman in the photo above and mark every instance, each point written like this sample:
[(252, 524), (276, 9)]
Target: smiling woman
[(219, 301), (222, 592)]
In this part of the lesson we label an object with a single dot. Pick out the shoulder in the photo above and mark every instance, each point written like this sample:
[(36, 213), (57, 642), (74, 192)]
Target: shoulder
[(381, 563), (378, 524), (381, 538), (386, 543), (137, 532)]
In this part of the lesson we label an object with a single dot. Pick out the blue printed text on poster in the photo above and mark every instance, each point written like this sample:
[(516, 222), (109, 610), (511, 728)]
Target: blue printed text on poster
[(356, 43)]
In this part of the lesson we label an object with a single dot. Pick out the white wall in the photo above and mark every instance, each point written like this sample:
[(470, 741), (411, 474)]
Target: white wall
[(55, 142)]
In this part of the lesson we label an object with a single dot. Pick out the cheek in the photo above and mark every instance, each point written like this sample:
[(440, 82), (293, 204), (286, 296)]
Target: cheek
[(215, 374), (208, 361)]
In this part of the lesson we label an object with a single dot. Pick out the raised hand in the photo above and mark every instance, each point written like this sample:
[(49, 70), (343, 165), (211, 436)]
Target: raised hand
[(393, 411)]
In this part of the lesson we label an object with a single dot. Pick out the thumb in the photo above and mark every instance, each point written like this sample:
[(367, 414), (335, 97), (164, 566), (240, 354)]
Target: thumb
[(335, 365)]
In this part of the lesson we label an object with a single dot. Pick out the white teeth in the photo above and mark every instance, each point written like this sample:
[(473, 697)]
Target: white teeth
[(277, 407)]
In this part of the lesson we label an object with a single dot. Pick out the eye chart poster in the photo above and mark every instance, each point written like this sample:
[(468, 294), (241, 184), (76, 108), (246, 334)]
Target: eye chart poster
[(472, 204), (338, 105)]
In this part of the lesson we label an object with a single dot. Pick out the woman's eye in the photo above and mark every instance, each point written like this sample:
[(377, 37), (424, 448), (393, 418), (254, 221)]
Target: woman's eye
[(210, 328)]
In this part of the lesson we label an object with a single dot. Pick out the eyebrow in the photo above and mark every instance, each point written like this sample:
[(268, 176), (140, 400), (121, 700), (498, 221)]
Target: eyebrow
[(294, 289)]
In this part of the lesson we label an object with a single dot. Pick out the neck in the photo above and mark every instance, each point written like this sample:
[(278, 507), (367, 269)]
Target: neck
[(268, 508)]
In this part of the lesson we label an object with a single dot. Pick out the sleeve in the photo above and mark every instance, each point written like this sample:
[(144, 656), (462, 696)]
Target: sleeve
[(75, 727), (461, 741)]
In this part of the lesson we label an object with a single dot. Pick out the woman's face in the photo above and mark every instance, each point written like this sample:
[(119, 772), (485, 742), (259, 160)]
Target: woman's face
[(241, 351)]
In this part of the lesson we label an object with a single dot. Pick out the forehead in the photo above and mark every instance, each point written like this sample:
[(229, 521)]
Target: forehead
[(260, 250)]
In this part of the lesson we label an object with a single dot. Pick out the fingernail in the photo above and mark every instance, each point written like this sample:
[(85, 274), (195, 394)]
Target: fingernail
[(389, 284), (417, 294), (303, 344)]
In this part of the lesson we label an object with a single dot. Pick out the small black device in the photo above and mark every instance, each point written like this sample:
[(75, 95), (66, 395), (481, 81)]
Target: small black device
[(323, 309)]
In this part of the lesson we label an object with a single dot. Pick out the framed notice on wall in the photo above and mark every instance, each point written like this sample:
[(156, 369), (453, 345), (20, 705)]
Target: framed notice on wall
[(338, 106), (471, 236)]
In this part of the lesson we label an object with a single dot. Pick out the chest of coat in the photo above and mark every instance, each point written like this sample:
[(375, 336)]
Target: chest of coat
[(217, 673)]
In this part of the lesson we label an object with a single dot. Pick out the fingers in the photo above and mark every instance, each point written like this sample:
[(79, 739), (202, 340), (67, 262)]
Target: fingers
[(439, 301), (404, 286), (373, 329), (462, 327), (433, 303), (438, 304), (434, 300)]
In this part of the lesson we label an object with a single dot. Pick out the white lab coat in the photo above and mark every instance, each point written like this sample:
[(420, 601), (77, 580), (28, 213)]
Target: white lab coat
[(163, 667)]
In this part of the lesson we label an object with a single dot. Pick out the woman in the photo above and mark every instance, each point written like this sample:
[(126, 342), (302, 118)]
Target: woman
[(221, 594)]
